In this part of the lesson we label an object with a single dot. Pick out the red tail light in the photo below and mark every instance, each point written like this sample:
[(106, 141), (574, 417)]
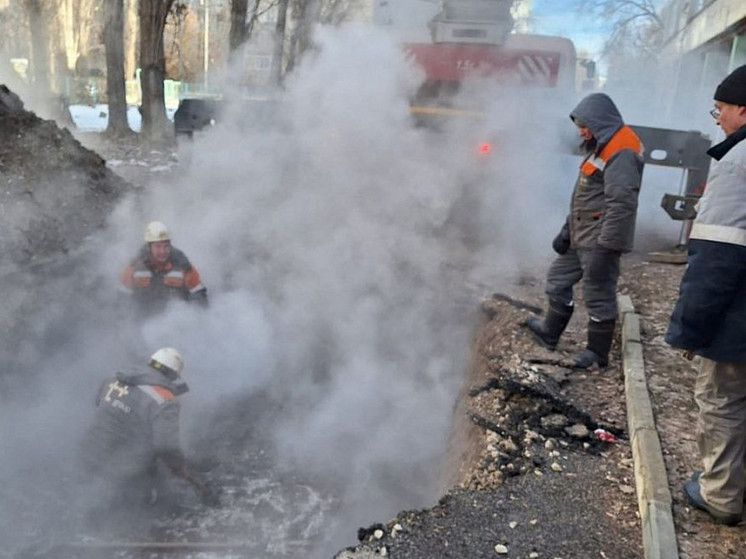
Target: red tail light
[(485, 148)]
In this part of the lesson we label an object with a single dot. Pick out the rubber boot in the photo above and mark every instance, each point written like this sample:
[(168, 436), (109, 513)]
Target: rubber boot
[(600, 337), (548, 331)]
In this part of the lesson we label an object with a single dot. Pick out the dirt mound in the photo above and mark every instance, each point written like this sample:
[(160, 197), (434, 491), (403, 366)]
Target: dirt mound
[(53, 191)]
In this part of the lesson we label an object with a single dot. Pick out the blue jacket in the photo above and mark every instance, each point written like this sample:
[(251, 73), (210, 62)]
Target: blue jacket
[(710, 314)]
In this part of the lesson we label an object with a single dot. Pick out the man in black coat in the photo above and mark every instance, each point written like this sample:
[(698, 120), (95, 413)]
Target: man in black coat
[(709, 319)]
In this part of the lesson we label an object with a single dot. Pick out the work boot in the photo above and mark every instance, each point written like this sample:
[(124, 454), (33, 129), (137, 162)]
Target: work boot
[(693, 494), (696, 475), (600, 337), (548, 331)]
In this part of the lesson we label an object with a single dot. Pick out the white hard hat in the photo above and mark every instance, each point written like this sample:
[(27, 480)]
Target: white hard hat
[(156, 231), (168, 361)]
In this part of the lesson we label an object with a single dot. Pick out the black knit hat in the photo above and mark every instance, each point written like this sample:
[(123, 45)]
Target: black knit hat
[(732, 89)]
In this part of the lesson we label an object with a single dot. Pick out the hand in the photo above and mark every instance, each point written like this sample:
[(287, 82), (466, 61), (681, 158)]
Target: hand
[(601, 263), (209, 495), (200, 297), (207, 491), (561, 243)]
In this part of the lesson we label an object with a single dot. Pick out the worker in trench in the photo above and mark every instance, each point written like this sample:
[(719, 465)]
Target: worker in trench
[(161, 273), (599, 228), (135, 430)]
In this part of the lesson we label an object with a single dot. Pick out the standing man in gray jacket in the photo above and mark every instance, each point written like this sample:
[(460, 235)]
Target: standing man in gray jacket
[(135, 426), (709, 319), (599, 228)]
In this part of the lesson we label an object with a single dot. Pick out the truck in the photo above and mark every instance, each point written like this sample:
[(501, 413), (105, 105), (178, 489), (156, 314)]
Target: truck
[(473, 42)]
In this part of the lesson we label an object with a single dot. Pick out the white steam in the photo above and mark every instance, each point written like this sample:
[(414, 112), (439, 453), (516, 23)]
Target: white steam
[(340, 247)]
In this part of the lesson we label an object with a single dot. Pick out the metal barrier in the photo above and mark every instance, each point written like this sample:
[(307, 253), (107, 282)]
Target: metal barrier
[(686, 150)]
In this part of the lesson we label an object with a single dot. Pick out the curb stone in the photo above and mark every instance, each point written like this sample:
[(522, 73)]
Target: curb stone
[(651, 481)]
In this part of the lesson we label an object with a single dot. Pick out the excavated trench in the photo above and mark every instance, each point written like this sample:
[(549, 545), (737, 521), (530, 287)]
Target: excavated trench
[(511, 421), (517, 425), (524, 463)]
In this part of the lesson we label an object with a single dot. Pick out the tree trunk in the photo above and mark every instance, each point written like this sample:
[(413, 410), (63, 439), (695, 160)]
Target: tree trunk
[(239, 29), (279, 46), (300, 11), (71, 47), (153, 69), (130, 39), (84, 19), (39, 48), (115, 89)]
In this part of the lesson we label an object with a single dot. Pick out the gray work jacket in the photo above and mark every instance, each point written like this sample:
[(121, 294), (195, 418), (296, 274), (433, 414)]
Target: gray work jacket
[(604, 201), (136, 422)]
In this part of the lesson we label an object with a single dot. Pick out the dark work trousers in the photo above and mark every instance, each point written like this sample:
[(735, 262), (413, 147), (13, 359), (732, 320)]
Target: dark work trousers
[(599, 294), (720, 392), (108, 499)]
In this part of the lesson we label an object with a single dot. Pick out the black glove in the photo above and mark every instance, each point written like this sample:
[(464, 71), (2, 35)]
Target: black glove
[(602, 263), (561, 243), (209, 494), (200, 297), (207, 491)]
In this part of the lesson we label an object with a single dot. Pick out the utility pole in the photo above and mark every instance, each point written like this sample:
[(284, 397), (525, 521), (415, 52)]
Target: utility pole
[(206, 45)]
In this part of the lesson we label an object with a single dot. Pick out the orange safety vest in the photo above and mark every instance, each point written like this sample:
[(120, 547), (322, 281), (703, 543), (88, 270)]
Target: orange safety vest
[(176, 275), (624, 138)]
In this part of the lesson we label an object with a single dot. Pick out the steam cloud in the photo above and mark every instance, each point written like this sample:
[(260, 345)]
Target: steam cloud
[(332, 245)]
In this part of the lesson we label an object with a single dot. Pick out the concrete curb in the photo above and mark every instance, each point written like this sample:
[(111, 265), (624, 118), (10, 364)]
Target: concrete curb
[(653, 495)]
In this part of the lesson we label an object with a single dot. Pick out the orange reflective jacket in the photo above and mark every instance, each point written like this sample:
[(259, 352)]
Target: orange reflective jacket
[(624, 138)]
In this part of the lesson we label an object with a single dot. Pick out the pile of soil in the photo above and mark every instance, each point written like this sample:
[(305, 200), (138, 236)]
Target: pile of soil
[(54, 194), (53, 191)]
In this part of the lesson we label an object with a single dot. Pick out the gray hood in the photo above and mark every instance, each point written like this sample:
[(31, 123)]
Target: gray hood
[(599, 113), (136, 376)]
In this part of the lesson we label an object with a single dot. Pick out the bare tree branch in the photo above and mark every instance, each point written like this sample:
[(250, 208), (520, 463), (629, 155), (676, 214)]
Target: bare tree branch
[(636, 25)]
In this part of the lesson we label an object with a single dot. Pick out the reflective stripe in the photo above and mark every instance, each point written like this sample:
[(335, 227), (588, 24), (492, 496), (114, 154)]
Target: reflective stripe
[(597, 162), (417, 109), (198, 287), (150, 391), (535, 68), (624, 138), (718, 233), (158, 393), (141, 278), (174, 278), (175, 274)]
